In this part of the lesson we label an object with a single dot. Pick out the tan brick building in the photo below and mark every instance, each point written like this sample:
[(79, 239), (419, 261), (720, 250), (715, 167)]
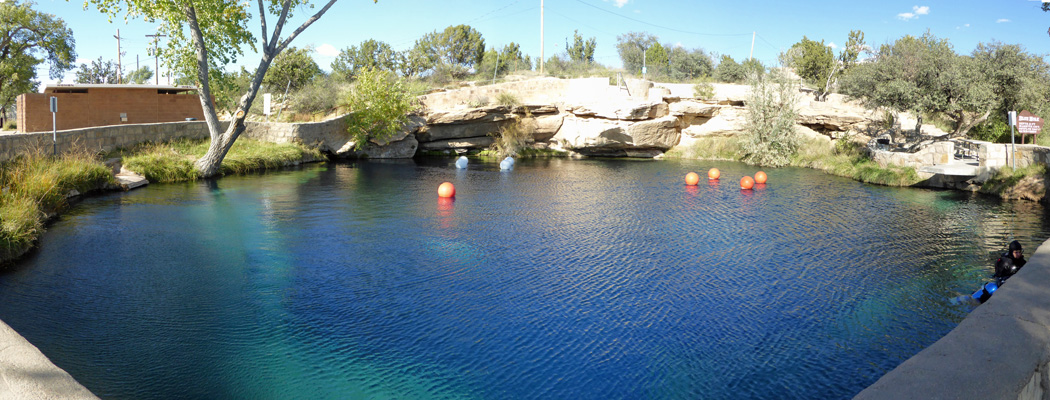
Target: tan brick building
[(82, 106)]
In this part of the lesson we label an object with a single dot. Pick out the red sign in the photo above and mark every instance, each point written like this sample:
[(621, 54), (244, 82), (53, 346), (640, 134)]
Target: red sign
[(1028, 123)]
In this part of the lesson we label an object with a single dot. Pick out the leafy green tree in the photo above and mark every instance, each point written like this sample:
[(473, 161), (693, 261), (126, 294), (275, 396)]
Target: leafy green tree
[(293, 68), (632, 46), (139, 76), (206, 35), (458, 45), (416, 61), (27, 39), (656, 60), (924, 75), (814, 62), (851, 52), (729, 71), (770, 137), (97, 72), (1019, 80), (580, 50), (753, 67), (689, 64), (379, 106), (369, 54), (506, 60)]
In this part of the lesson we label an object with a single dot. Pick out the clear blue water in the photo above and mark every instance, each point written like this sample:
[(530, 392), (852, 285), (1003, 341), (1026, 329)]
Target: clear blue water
[(562, 279)]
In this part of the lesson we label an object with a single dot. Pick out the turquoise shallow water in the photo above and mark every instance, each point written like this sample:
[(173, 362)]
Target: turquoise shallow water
[(560, 279)]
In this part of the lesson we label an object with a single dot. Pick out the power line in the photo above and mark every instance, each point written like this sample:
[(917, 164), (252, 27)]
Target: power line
[(659, 26)]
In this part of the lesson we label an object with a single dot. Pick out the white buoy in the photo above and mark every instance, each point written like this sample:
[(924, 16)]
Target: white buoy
[(506, 164), (461, 163)]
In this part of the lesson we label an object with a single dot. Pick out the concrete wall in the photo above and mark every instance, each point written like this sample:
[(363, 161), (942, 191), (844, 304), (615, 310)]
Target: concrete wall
[(103, 138), (1000, 351), (939, 153), (104, 106)]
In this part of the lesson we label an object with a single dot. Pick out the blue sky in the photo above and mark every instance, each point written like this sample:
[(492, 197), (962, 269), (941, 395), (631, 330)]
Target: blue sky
[(722, 27)]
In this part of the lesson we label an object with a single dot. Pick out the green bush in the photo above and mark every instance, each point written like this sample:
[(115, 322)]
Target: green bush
[(379, 106), (769, 129), (508, 99), (995, 131), (704, 90), (319, 96), (513, 138)]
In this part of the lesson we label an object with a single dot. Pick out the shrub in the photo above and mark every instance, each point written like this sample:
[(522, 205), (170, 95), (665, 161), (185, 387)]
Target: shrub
[(379, 106), (319, 96), (508, 99), (513, 138), (769, 130), (704, 90)]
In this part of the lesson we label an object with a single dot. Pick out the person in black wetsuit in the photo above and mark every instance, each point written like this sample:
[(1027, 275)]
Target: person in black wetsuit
[(1009, 263)]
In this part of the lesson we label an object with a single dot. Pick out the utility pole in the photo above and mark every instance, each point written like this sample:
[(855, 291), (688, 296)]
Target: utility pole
[(541, 37), (120, 72), (156, 58), (752, 54)]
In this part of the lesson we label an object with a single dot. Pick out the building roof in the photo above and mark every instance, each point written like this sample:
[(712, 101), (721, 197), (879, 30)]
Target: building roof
[(60, 86)]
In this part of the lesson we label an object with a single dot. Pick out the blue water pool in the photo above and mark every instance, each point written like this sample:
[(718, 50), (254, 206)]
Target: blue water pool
[(561, 279)]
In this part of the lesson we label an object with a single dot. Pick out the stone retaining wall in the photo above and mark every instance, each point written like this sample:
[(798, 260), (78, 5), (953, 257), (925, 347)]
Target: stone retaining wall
[(1000, 351)]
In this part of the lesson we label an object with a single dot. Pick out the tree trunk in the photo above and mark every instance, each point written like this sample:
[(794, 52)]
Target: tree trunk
[(963, 122)]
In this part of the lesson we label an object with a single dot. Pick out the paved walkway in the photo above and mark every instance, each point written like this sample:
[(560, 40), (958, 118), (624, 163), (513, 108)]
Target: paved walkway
[(26, 374)]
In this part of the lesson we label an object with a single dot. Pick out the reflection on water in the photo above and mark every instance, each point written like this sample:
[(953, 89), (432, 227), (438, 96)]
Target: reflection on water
[(559, 279)]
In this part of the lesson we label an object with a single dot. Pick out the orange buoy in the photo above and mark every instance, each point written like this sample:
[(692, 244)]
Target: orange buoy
[(760, 177), (747, 183), (447, 190), (692, 179), (714, 173)]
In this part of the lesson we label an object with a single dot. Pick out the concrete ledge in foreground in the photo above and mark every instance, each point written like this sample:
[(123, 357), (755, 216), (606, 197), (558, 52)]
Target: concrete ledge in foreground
[(25, 373), (1000, 351)]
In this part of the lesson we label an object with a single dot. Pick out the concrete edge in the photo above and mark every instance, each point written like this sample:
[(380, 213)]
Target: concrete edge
[(1000, 351), (25, 373)]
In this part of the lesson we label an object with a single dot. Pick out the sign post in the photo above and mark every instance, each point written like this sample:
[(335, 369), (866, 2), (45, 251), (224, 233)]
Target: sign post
[(54, 127), (1011, 117), (266, 105)]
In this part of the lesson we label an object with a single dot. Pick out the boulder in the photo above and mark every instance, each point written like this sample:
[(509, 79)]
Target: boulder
[(694, 108), (829, 117), (623, 111), (728, 121), (402, 144), (404, 148), (592, 136), (658, 133), (547, 126)]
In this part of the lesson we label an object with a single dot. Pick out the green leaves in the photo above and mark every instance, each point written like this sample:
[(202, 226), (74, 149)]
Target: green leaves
[(293, 68), (27, 39), (813, 61), (379, 106)]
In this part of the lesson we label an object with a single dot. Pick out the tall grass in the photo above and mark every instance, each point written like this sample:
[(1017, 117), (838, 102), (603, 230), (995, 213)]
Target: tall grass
[(35, 185), (841, 160), (173, 161)]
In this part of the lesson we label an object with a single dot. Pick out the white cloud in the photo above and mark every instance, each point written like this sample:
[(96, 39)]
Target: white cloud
[(832, 45), (618, 3), (84, 61), (1001, 20), (327, 50), (916, 12)]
